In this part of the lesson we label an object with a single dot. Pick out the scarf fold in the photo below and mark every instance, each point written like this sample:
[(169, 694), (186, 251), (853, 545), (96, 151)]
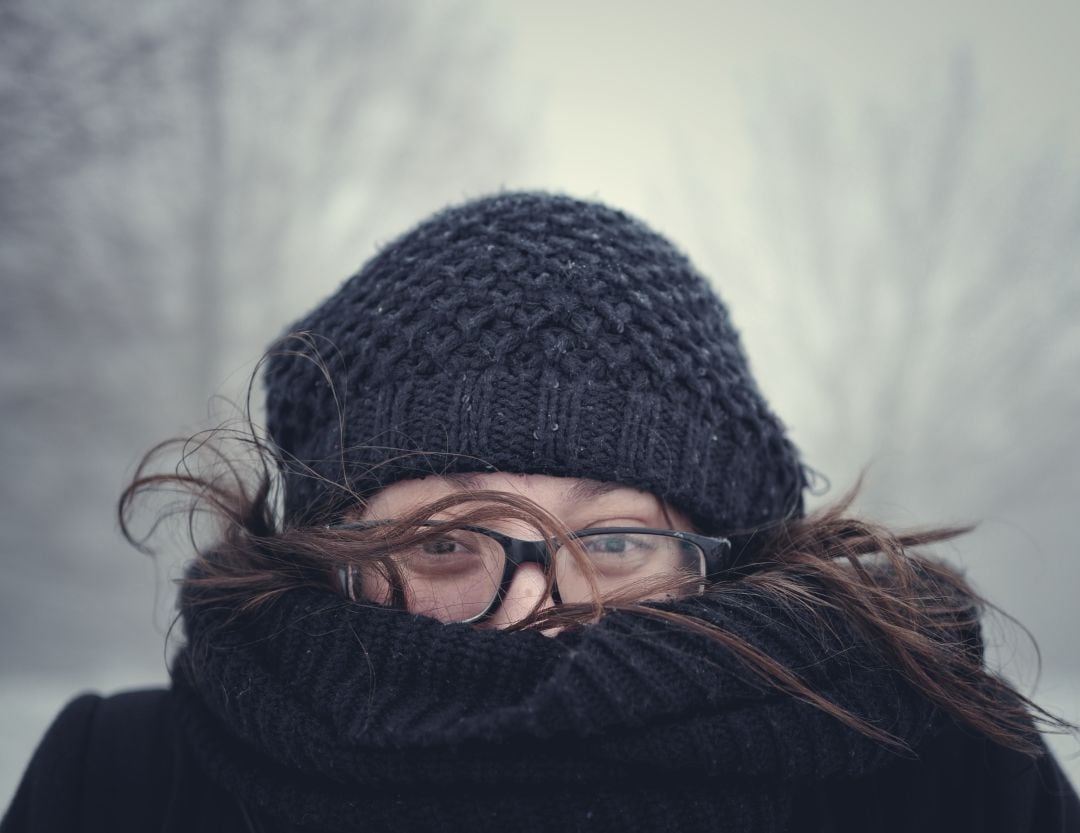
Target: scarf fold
[(328, 715)]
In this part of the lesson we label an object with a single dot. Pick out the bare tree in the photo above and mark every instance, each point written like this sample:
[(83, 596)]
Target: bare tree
[(922, 285), (179, 179)]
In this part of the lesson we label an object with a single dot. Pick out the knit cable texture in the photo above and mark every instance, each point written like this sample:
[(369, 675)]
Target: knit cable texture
[(326, 715), (530, 333)]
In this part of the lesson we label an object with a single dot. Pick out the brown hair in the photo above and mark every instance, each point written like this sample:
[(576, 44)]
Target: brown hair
[(921, 614)]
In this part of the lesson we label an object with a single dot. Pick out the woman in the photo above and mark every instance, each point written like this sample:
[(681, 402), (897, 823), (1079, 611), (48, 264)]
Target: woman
[(541, 563)]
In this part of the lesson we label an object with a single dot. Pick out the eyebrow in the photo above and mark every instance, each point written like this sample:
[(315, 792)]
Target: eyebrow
[(463, 481), (588, 489), (582, 490)]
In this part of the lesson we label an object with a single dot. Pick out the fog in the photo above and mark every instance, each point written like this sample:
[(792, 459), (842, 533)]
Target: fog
[(889, 201)]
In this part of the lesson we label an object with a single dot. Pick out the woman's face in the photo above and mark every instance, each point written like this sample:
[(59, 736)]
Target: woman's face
[(579, 504)]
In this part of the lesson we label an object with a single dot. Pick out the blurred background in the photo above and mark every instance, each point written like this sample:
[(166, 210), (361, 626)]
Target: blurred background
[(887, 195)]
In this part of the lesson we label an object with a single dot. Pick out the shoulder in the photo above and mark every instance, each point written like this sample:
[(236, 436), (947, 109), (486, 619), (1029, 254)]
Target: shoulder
[(97, 749), (978, 784), (48, 795), (957, 781)]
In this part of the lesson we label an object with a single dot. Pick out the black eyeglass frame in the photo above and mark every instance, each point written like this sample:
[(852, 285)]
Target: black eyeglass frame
[(518, 551)]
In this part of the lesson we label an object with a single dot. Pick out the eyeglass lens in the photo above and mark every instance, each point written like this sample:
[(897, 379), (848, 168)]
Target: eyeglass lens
[(456, 576), (623, 561)]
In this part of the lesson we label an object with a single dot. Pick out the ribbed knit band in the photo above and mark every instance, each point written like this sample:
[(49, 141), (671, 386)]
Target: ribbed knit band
[(529, 333)]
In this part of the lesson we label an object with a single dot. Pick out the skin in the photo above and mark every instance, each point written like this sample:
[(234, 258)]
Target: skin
[(580, 504)]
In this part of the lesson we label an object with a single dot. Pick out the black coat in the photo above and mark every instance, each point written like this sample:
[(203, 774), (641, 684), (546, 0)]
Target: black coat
[(120, 764), (313, 715)]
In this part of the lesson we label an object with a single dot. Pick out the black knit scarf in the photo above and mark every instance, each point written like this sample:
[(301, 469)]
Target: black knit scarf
[(324, 715)]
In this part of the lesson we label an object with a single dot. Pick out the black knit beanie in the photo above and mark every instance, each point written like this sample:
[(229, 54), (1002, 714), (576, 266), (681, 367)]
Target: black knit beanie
[(528, 333)]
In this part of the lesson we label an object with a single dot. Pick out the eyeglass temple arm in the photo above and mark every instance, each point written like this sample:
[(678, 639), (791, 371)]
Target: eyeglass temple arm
[(717, 555)]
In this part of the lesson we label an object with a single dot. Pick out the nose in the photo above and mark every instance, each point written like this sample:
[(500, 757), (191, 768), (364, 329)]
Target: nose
[(528, 587)]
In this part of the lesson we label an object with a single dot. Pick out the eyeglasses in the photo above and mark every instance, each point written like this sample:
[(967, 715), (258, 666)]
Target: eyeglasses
[(464, 574)]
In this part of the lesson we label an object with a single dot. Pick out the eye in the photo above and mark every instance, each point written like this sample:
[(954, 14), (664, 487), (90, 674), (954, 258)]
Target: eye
[(606, 543), (455, 553), (621, 544), (443, 546)]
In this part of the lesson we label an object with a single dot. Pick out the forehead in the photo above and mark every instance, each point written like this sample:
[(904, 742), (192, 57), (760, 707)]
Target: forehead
[(556, 494)]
